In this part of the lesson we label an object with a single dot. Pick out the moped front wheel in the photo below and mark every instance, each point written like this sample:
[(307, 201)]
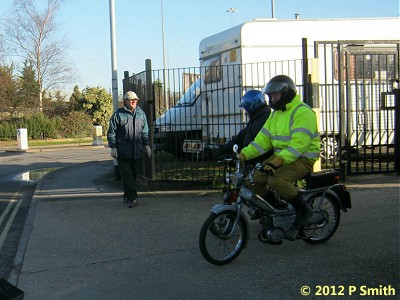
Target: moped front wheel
[(220, 245)]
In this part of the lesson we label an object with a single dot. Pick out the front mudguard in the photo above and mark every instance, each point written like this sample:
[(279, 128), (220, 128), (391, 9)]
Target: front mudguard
[(219, 208)]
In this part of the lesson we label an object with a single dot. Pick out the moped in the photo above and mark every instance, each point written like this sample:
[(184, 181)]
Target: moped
[(225, 233)]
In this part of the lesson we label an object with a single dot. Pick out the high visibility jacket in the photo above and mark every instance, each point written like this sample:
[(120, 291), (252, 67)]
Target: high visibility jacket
[(291, 134)]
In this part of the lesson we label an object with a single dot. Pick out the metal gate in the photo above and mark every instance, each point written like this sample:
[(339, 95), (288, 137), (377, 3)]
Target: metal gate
[(358, 105), (357, 108), (180, 142)]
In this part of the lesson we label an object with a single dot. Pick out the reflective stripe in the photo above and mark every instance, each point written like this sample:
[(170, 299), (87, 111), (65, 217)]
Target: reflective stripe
[(265, 131), (297, 154), (258, 147), (303, 130), (305, 154), (294, 111), (293, 151), (284, 138), (310, 155)]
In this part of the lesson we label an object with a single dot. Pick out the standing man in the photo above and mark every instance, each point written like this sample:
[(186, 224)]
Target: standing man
[(291, 132), (128, 137)]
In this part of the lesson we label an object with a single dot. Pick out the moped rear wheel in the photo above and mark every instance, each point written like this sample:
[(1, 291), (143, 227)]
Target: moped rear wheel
[(326, 228), (218, 244)]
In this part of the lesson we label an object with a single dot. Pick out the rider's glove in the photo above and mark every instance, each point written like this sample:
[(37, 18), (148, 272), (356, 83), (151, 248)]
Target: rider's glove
[(114, 152), (272, 166), (242, 157)]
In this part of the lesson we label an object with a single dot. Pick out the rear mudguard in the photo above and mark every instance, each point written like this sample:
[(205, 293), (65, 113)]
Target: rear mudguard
[(218, 208), (341, 196)]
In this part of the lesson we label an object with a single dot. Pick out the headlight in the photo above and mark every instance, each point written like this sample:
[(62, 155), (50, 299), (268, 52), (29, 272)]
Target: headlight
[(235, 178), (246, 193)]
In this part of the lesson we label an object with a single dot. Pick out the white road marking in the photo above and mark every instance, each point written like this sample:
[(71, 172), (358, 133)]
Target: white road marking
[(10, 220)]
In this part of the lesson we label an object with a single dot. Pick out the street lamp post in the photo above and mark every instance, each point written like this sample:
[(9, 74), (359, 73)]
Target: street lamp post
[(164, 56), (272, 9), (114, 73)]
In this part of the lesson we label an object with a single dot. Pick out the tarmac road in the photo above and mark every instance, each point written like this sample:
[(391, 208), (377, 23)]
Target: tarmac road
[(19, 175), (81, 242)]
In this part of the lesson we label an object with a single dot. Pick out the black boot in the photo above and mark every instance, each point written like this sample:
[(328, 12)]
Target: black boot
[(303, 211)]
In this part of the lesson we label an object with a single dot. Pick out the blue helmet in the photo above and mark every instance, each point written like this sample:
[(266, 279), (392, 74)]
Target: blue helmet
[(252, 101)]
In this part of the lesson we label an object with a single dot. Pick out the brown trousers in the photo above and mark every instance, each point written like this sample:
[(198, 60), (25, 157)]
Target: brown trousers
[(283, 179)]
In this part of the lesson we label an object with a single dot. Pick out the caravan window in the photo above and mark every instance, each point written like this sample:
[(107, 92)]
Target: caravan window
[(212, 70)]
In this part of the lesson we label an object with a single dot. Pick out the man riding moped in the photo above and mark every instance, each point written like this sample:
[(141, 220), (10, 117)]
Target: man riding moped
[(291, 132)]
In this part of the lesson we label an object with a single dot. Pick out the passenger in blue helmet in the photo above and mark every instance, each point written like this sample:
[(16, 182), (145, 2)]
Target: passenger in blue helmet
[(252, 101), (256, 106)]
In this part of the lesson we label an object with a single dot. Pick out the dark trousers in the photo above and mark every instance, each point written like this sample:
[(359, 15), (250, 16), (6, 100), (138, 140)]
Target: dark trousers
[(283, 179), (128, 169)]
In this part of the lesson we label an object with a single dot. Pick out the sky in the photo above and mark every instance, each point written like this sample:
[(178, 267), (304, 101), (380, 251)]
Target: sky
[(86, 26)]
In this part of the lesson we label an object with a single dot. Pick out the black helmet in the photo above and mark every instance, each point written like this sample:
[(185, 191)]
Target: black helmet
[(252, 101), (280, 84)]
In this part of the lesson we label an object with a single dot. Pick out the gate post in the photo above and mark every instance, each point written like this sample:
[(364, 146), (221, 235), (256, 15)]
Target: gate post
[(150, 112), (306, 79), (396, 92)]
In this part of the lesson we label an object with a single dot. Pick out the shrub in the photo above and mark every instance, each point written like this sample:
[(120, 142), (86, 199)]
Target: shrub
[(76, 124), (38, 126)]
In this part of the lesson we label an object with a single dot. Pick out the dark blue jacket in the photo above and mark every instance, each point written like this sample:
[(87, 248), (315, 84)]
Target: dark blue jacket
[(247, 134), (128, 132)]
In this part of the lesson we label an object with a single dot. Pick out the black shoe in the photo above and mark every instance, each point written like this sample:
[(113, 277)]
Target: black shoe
[(133, 203), (124, 200)]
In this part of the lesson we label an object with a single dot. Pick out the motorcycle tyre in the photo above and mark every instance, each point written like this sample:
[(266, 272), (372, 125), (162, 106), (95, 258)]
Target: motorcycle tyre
[(206, 230), (336, 211)]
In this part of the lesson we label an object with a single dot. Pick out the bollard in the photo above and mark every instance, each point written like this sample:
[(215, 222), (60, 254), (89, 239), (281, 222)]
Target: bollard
[(97, 136), (22, 139)]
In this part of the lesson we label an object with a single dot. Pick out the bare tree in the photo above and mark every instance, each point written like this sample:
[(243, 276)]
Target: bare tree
[(32, 35), (2, 50)]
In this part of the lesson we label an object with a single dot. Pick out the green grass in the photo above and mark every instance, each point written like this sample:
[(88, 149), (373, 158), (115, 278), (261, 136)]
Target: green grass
[(51, 142)]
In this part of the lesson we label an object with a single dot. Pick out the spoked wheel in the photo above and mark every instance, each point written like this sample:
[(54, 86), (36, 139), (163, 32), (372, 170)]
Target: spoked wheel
[(218, 244), (327, 226)]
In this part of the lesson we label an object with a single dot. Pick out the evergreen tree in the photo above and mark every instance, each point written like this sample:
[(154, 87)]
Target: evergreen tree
[(8, 89), (75, 99), (28, 87)]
